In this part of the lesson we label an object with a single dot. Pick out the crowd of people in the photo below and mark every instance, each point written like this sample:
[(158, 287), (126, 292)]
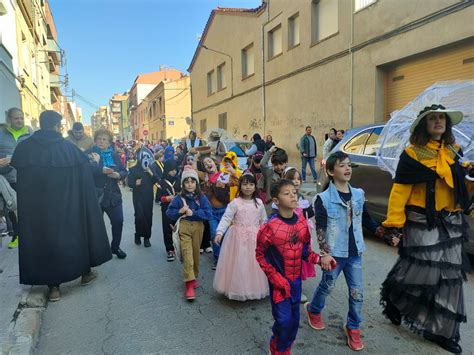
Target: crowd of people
[(256, 223)]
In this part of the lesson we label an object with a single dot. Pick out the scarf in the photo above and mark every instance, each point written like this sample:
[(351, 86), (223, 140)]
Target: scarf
[(106, 156), (212, 177), (411, 171)]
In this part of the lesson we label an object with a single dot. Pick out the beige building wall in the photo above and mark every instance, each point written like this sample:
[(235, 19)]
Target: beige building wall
[(177, 107), (242, 98), (33, 60), (168, 106), (334, 81)]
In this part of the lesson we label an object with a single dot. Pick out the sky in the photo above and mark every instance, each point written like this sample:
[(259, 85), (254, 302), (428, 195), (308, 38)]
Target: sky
[(109, 42)]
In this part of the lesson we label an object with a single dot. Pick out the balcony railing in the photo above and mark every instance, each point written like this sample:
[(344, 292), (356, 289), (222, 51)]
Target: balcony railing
[(54, 50)]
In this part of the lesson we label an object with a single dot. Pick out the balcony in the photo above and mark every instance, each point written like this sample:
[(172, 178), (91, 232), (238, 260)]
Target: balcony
[(54, 81), (54, 51)]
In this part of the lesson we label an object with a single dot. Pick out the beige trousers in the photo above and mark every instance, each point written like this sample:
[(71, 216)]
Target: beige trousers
[(190, 236)]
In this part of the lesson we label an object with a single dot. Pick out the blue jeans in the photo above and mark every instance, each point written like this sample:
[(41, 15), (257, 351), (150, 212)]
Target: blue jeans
[(115, 214), (304, 163), (216, 217), (352, 268)]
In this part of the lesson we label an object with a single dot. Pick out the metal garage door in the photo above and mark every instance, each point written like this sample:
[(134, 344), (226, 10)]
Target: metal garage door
[(407, 79)]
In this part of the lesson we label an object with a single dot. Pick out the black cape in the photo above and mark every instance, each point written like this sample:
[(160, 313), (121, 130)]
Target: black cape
[(61, 228)]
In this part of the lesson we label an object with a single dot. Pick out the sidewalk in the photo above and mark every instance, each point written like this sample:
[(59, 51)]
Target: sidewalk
[(20, 306)]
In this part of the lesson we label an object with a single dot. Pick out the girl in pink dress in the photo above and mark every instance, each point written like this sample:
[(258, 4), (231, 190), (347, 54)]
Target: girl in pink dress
[(238, 275)]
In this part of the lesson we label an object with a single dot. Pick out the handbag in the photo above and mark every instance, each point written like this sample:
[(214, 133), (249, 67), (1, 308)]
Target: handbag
[(175, 236)]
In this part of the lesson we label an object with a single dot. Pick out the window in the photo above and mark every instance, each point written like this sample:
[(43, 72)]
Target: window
[(274, 42), (223, 120), (221, 83), (324, 19), (34, 72), (360, 4), (210, 83), (160, 103), (356, 144), (203, 126), (248, 61), (371, 146), (25, 53), (293, 31)]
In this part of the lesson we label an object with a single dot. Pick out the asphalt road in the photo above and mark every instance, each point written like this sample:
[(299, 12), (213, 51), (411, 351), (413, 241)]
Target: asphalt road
[(137, 306)]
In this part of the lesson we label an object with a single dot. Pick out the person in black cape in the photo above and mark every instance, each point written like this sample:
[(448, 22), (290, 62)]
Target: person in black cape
[(142, 177), (62, 230)]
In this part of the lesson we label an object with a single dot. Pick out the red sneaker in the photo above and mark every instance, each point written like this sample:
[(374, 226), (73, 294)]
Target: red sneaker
[(190, 294), (274, 350), (315, 321), (353, 338)]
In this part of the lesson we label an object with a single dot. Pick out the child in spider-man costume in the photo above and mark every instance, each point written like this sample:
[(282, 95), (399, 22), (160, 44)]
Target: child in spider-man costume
[(282, 243)]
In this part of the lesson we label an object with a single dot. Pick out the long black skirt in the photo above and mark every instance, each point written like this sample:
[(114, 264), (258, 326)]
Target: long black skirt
[(426, 283)]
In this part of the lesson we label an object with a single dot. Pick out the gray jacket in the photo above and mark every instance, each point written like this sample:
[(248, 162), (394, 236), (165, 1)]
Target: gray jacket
[(7, 147), (270, 176)]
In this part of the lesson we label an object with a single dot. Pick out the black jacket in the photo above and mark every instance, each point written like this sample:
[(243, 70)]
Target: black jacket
[(112, 196)]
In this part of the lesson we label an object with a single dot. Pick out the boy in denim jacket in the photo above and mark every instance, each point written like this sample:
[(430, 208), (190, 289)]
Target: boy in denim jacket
[(340, 214)]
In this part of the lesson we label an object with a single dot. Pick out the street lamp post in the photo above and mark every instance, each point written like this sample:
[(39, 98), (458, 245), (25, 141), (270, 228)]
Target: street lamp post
[(231, 67)]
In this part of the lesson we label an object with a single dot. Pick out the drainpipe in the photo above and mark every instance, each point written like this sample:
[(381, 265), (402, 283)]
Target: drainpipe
[(264, 102), (351, 54)]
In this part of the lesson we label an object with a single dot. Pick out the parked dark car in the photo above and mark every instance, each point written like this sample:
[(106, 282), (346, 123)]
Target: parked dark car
[(361, 146)]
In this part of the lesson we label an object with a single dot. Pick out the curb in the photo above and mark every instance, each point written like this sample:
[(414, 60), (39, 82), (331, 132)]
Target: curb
[(23, 331)]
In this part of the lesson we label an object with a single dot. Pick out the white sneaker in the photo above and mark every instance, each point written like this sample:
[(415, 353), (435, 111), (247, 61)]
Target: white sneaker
[(209, 250)]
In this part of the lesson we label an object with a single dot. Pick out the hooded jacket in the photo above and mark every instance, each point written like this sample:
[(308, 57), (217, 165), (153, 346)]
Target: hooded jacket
[(233, 158)]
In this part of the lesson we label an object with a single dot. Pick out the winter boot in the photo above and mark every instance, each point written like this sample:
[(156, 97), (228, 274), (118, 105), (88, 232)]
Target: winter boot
[(190, 294)]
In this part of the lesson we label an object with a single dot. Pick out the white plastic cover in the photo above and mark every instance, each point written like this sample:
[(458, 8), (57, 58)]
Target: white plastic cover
[(454, 95)]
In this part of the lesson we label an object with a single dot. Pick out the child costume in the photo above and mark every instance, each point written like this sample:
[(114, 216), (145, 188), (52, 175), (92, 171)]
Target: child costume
[(235, 164), (238, 274), (282, 243), (216, 187), (143, 193), (191, 229), (169, 186), (305, 208)]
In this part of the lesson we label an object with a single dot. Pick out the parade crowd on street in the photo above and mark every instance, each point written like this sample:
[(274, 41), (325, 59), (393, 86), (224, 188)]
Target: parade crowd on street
[(255, 222)]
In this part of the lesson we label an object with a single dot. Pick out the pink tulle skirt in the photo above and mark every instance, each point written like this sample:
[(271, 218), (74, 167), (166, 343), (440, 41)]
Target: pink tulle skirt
[(238, 275)]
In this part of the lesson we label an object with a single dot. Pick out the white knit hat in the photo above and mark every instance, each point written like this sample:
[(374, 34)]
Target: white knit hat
[(189, 172)]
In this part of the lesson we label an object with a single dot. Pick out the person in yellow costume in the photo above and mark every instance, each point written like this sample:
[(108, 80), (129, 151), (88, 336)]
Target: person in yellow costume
[(424, 289), (230, 166)]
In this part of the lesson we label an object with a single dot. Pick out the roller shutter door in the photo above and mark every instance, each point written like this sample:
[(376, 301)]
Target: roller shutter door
[(407, 79)]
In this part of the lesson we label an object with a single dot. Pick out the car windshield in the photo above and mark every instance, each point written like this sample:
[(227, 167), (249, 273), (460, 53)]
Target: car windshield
[(238, 148)]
